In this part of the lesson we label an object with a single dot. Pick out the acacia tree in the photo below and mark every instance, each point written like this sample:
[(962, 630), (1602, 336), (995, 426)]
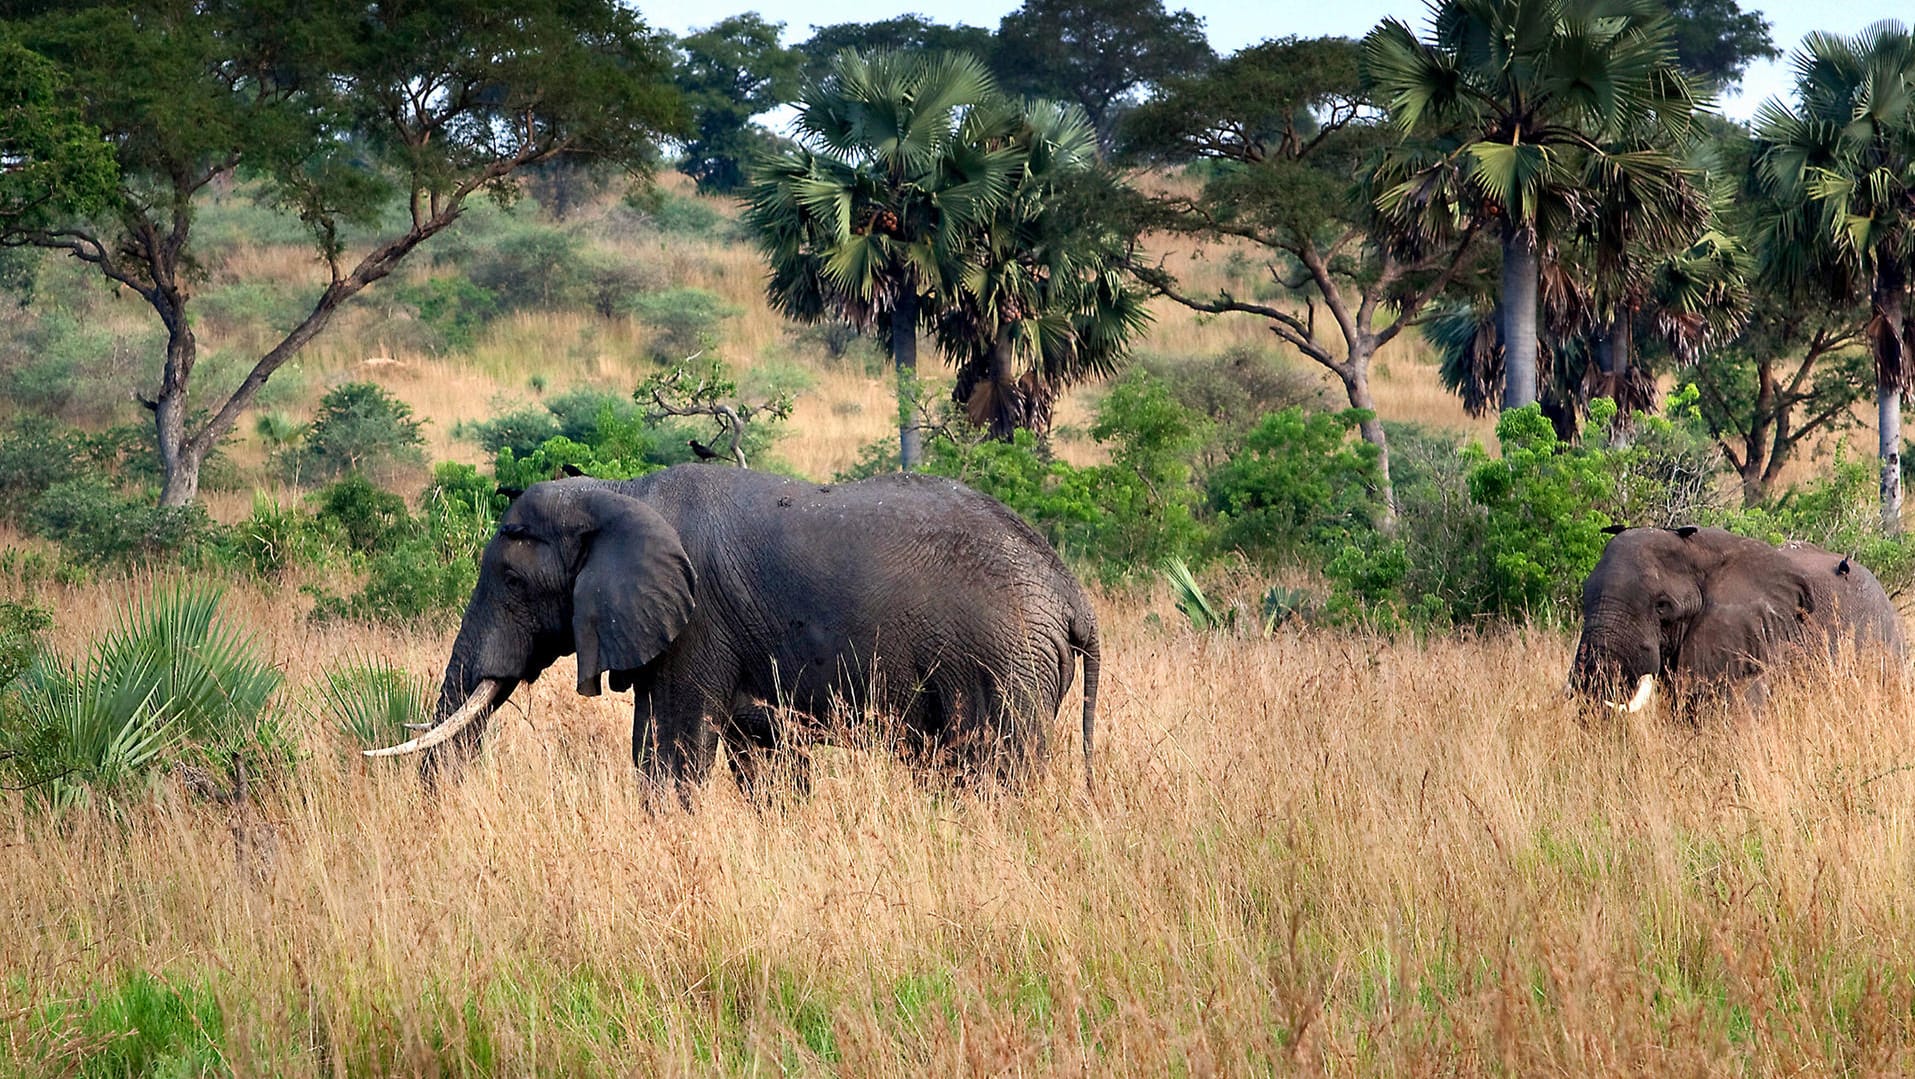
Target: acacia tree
[(52, 161), (1287, 123), (1846, 154), (1519, 105), (335, 107)]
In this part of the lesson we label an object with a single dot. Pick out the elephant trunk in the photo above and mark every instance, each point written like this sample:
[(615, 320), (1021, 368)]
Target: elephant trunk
[(476, 683)]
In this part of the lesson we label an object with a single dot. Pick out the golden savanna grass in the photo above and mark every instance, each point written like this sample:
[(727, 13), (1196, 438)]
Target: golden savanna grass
[(1317, 852)]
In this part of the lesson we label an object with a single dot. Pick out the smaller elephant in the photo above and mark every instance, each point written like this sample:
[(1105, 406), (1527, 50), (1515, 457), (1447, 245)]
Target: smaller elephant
[(1708, 613)]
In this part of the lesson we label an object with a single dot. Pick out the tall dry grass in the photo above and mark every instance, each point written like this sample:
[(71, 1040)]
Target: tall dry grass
[(1319, 852)]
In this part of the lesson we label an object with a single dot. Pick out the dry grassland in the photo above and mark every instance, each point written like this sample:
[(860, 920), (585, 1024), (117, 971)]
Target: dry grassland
[(1316, 852)]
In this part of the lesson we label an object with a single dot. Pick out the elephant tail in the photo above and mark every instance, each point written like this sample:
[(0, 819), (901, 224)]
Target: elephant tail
[(1084, 640)]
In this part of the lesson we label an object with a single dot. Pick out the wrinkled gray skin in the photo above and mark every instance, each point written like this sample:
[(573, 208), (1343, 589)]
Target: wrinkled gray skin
[(1708, 612), (714, 593)]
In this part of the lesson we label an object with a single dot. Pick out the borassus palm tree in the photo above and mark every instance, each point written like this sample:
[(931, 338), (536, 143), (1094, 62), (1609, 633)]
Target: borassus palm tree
[(1514, 108), (866, 220), (1042, 301), (1846, 153)]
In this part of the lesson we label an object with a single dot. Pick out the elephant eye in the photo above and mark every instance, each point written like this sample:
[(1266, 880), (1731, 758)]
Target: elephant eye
[(1665, 609)]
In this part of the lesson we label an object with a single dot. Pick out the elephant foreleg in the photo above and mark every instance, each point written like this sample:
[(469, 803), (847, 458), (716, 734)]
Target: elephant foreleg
[(673, 743), (760, 751)]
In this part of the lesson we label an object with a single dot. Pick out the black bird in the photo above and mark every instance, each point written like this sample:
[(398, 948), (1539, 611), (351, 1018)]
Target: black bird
[(704, 452)]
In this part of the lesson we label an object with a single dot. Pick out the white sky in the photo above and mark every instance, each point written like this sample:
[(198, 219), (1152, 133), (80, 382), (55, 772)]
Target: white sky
[(1233, 24)]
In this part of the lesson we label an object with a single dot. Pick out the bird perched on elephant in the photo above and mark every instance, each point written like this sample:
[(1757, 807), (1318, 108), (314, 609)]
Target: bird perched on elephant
[(1710, 613), (756, 609)]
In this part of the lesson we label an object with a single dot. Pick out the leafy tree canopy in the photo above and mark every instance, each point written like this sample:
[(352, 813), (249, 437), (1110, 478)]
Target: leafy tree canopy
[(905, 33), (1716, 40), (729, 73), (1097, 53)]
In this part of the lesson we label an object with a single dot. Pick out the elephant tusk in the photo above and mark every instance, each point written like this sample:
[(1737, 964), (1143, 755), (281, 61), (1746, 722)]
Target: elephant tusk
[(1645, 688), (475, 706)]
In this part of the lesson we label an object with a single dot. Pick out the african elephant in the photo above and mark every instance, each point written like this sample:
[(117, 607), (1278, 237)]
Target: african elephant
[(1708, 612), (754, 608)]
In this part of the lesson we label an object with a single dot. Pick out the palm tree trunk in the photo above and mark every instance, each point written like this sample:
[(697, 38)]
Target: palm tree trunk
[(1520, 279), (904, 356), (1888, 408), (1891, 368)]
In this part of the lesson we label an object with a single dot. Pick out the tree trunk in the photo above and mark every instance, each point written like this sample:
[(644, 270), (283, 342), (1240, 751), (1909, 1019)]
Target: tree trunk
[(1006, 416), (1765, 440), (1888, 406), (180, 455), (1357, 383), (1520, 279), (904, 356), (1888, 341)]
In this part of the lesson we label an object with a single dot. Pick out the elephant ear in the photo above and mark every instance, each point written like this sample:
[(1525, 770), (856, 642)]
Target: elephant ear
[(634, 592), (1752, 608)]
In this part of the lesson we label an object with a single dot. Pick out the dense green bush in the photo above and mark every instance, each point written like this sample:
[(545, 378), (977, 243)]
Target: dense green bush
[(418, 568), (1124, 518), (95, 524), (532, 268), (1235, 389), (359, 427), (453, 310), (366, 517), (682, 321), (1298, 484)]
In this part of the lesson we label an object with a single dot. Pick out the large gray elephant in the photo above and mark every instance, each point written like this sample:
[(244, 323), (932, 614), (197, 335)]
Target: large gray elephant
[(759, 609), (1708, 613)]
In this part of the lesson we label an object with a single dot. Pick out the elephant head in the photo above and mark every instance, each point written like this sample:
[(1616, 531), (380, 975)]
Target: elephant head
[(576, 567), (1698, 608)]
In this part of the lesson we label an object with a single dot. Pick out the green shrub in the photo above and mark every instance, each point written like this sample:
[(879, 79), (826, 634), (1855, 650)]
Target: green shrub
[(659, 210), (360, 427), (682, 321), (1236, 388), (1299, 483), (550, 460), (96, 525), (521, 430), (419, 569), (1124, 518), (453, 310), (368, 518), (532, 268), (37, 452), (169, 680)]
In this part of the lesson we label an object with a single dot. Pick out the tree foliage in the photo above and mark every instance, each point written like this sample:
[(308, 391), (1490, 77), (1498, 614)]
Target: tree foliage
[(729, 73), (1097, 53), (904, 33)]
